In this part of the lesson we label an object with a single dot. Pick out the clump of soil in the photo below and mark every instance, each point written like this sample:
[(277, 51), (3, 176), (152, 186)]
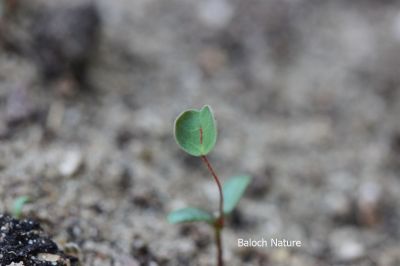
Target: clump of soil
[(24, 241)]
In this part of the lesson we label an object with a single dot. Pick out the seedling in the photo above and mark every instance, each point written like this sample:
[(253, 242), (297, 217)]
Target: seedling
[(195, 132), (18, 205)]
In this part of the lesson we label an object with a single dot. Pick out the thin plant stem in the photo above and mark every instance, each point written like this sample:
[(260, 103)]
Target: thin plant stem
[(220, 261), (219, 224)]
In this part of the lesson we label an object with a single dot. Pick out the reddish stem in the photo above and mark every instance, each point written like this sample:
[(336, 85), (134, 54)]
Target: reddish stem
[(219, 223), (221, 195), (220, 261)]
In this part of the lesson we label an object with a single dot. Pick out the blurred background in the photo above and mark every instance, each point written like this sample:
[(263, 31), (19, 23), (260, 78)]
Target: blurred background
[(305, 92)]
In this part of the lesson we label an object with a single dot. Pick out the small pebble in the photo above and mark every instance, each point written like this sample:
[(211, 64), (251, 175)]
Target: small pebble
[(350, 251), (345, 245), (72, 162), (215, 13)]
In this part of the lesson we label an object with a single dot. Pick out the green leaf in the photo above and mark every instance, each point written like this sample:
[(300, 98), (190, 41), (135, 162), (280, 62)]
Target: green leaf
[(189, 215), (196, 131), (233, 190), (18, 205)]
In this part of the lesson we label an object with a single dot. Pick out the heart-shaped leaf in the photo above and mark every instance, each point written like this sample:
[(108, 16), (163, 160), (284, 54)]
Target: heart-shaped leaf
[(233, 190), (196, 131), (190, 215)]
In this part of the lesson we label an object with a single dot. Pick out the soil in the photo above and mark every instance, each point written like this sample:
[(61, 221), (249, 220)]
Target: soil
[(306, 95), (24, 242)]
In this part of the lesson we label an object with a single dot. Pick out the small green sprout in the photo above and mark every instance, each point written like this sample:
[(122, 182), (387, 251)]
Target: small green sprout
[(195, 132), (18, 205)]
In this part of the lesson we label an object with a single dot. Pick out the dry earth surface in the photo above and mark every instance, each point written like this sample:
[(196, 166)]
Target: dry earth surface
[(306, 94)]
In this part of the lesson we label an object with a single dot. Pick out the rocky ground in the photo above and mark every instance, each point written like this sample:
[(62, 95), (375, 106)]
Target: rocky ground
[(306, 94)]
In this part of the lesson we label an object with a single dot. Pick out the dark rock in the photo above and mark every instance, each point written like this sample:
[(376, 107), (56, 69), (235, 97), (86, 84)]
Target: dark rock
[(64, 39), (24, 241)]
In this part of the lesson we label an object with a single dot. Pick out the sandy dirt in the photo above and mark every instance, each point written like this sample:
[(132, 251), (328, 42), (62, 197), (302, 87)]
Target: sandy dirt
[(306, 95)]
